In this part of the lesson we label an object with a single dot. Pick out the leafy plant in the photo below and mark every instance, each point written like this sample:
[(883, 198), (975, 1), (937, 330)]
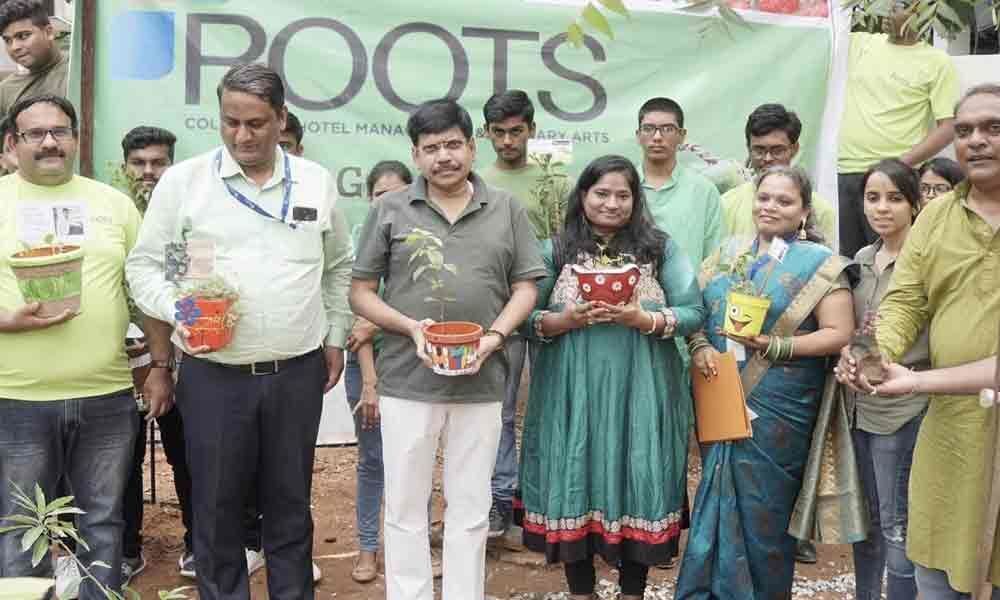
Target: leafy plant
[(592, 16), (724, 22), (945, 17), (607, 260), (428, 246), (42, 529), (128, 183), (549, 190)]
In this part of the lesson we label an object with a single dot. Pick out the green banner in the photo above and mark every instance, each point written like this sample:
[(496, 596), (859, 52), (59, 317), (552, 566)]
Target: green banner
[(355, 69)]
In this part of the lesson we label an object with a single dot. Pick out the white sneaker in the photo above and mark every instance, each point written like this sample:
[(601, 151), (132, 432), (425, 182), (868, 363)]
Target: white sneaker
[(317, 574), (67, 578), (255, 561)]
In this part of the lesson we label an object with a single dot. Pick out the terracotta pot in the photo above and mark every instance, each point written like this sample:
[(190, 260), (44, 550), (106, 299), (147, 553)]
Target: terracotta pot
[(614, 285), (453, 346), (745, 314), (52, 276), (210, 328)]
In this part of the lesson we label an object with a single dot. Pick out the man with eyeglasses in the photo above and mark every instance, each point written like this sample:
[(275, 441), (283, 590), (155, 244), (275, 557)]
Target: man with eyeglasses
[(31, 43), (772, 136), (66, 404), (487, 239), (899, 103), (683, 202)]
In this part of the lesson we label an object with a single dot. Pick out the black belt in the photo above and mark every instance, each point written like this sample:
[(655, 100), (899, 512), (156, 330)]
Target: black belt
[(267, 367)]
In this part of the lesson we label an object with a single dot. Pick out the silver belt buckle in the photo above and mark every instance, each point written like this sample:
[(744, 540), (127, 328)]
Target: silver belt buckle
[(274, 368)]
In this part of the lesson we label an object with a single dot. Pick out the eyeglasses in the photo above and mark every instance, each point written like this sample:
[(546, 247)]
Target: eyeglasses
[(37, 136), (450, 145), (776, 152), (650, 130), (933, 191)]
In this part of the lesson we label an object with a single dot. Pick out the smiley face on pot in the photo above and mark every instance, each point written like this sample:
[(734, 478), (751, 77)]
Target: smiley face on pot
[(738, 318)]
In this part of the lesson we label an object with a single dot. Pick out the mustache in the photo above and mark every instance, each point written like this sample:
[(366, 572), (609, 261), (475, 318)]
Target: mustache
[(50, 154)]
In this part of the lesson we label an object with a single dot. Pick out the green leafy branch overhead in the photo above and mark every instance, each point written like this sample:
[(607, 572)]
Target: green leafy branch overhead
[(945, 17), (592, 17)]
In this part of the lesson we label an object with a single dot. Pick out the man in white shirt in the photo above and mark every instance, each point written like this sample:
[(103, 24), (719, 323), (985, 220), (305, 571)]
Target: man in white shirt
[(266, 221)]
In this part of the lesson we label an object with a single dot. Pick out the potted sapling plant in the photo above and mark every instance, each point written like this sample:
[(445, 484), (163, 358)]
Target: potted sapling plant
[(865, 350), (746, 305), (611, 279), (50, 274), (453, 346), (209, 311)]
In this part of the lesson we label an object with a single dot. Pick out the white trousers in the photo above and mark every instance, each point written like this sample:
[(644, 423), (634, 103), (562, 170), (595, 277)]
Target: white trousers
[(410, 435)]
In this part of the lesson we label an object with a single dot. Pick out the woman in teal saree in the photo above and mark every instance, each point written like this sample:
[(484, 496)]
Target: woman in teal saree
[(738, 547)]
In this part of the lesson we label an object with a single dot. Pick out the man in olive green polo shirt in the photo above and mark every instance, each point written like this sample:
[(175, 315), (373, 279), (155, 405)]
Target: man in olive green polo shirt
[(772, 134), (510, 122), (899, 103), (684, 203), (31, 43), (487, 239)]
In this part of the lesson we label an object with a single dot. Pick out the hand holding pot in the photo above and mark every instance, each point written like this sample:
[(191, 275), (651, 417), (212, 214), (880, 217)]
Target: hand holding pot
[(577, 316), (417, 335), (755, 342), (628, 315), (184, 335), (488, 344), (847, 373), (26, 318), (899, 381)]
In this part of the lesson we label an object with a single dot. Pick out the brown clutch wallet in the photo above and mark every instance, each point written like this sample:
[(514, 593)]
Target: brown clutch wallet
[(719, 407)]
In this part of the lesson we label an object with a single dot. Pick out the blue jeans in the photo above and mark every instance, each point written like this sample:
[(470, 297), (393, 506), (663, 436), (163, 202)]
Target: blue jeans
[(933, 585), (504, 481), (370, 478), (884, 463), (90, 442)]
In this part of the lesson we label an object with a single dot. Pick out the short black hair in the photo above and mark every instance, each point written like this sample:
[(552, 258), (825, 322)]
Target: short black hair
[(992, 89), (19, 10), (145, 136), (294, 127), (945, 168), (435, 116), (6, 126), (387, 167), (509, 104), (58, 101), (255, 79), (768, 118), (662, 105)]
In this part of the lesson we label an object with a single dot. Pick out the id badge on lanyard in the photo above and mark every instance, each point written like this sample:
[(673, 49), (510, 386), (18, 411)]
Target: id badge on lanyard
[(242, 199)]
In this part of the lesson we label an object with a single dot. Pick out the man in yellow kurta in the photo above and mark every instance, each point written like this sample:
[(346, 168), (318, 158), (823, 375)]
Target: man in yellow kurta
[(947, 276)]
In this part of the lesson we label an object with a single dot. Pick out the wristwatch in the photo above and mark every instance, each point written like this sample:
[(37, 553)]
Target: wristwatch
[(168, 364)]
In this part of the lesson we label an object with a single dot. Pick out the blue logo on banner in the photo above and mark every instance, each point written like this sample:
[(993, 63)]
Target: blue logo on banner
[(142, 44)]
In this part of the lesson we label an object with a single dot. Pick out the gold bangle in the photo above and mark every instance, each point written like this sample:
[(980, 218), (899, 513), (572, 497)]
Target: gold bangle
[(652, 317)]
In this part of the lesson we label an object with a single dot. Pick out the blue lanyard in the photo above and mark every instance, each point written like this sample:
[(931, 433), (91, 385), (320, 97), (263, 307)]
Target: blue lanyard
[(286, 200)]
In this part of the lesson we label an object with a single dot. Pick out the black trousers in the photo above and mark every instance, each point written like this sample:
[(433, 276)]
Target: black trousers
[(582, 577), (855, 233), (172, 436), (246, 432)]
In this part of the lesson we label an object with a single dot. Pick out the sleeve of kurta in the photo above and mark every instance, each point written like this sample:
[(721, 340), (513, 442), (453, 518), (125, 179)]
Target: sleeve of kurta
[(153, 294), (713, 222), (337, 262), (904, 311), (545, 286), (678, 281)]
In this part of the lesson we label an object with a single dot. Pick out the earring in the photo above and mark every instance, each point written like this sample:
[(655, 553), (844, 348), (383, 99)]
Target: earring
[(802, 231)]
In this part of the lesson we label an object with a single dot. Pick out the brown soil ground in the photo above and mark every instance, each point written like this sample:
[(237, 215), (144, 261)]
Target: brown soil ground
[(516, 575)]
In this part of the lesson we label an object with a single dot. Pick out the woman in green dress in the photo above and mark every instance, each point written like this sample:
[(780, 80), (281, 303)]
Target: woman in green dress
[(604, 452)]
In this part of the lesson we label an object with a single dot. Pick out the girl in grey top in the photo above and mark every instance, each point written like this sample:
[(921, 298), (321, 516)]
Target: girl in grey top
[(885, 429)]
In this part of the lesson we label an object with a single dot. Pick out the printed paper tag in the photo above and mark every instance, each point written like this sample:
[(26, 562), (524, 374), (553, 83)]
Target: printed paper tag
[(751, 414), (737, 349), (560, 150), (778, 249), (201, 259), (65, 223)]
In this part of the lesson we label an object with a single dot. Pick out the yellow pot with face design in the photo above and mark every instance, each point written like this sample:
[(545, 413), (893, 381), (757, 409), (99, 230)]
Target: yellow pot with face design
[(745, 314)]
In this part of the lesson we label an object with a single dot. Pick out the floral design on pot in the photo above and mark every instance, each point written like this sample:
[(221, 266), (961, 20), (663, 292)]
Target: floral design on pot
[(614, 285), (209, 311)]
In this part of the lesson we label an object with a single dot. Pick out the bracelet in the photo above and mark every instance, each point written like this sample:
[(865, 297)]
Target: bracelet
[(652, 317), (536, 325), (503, 338), (162, 364), (779, 349), (669, 324), (697, 341)]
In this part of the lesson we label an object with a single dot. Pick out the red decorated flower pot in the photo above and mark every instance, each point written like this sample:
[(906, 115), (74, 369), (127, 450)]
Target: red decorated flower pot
[(614, 285), (452, 346), (211, 328)]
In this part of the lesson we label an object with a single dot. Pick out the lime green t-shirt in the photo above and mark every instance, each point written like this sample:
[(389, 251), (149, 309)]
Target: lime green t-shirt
[(546, 205), (894, 94), (737, 214), (84, 356)]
